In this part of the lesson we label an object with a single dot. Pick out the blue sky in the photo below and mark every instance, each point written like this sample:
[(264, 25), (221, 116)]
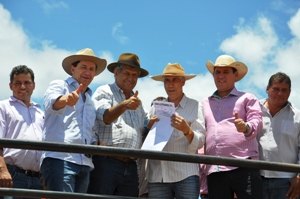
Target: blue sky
[(264, 34)]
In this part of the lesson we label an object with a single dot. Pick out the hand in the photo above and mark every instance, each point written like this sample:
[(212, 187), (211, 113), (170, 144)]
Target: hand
[(240, 124), (5, 179), (152, 120), (72, 98), (294, 190), (133, 102), (180, 124)]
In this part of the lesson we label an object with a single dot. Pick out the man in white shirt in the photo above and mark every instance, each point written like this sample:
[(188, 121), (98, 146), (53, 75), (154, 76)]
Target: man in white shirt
[(169, 179), (279, 140), (21, 119)]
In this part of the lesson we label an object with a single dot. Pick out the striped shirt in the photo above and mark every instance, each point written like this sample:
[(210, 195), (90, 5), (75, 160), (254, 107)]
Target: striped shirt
[(126, 131), (170, 171), (222, 137)]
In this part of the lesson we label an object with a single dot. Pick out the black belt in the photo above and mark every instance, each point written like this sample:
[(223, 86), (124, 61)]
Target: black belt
[(123, 159), (26, 172)]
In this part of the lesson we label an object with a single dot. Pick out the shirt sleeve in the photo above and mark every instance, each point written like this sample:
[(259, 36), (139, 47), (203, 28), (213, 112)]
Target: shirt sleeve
[(55, 89), (103, 100)]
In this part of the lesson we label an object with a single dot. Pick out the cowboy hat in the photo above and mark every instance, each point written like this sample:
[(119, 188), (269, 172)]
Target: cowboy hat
[(128, 59), (173, 69), (85, 54), (228, 61)]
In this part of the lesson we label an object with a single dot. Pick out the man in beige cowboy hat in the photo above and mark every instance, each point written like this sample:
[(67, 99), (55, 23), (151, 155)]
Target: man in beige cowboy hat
[(232, 120), (169, 179), (120, 122), (69, 118)]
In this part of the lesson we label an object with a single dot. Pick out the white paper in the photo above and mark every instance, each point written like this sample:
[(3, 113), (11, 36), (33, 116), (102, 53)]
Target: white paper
[(161, 131)]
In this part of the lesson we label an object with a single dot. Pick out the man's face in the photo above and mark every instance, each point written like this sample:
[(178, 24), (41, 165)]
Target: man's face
[(22, 87), (278, 94), (224, 78), (174, 86), (126, 77), (84, 72)]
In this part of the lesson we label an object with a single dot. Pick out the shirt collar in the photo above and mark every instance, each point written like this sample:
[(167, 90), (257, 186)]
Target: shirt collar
[(73, 82), (233, 92), (14, 99)]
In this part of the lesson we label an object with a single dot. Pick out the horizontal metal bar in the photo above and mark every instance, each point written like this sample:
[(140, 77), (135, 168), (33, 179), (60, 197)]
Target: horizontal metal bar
[(148, 154), (32, 193)]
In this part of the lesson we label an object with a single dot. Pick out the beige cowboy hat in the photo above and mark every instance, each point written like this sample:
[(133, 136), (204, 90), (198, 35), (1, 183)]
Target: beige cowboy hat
[(228, 61), (85, 54), (173, 69), (128, 59)]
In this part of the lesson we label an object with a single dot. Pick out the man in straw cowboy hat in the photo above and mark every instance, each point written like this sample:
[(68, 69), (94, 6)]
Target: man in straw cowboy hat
[(120, 123), (69, 118), (169, 179), (232, 121)]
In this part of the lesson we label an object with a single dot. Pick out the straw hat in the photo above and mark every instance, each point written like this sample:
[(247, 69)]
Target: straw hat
[(173, 69), (85, 54), (129, 59), (228, 61)]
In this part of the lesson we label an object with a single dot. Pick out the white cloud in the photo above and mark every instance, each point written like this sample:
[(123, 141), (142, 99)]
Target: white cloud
[(117, 33), (261, 49), (49, 6), (46, 62)]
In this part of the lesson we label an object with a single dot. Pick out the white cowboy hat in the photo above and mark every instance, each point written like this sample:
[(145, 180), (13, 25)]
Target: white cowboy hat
[(85, 54), (173, 69), (228, 61)]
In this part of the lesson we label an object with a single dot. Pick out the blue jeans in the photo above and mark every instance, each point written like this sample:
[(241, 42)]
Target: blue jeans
[(185, 189), (274, 188), (23, 181), (60, 175), (113, 177)]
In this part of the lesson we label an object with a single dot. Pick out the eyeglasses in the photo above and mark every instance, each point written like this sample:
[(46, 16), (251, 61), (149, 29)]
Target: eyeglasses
[(25, 83)]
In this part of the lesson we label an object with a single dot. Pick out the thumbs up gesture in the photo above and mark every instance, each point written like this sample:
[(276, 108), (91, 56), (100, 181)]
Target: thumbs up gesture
[(72, 98), (133, 102), (240, 124)]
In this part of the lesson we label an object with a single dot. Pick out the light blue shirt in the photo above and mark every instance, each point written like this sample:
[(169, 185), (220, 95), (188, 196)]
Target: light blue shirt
[(71, 124), (17, 121), (126, 131)]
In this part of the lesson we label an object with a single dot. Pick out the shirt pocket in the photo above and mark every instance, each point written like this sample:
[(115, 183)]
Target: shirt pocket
[(289, 128)]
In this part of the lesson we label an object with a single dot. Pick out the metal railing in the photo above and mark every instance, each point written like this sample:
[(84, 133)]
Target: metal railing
[(136, 153)]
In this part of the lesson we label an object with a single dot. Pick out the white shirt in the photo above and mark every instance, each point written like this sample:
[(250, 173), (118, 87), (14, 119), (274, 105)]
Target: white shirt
[(279, 140), (170, 171), (17, 121)]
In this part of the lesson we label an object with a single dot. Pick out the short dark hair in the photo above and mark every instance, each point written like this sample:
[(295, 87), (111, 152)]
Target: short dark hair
[(21, 69), (279, 78)]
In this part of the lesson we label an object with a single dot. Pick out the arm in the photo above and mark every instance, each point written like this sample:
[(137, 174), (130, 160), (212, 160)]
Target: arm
[(69, 99), (114, 112), (5, 177)]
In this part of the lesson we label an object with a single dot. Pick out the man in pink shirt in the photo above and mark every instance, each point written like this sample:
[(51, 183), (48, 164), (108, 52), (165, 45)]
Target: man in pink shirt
[(232, 120)]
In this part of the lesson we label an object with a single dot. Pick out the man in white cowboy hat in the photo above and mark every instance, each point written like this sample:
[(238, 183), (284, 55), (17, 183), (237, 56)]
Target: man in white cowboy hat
[(170, 179), (232, 120), (69, 118), (120, 123), (279, 140)]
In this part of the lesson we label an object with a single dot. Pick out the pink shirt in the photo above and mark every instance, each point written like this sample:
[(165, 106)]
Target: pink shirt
[(222, 137)]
